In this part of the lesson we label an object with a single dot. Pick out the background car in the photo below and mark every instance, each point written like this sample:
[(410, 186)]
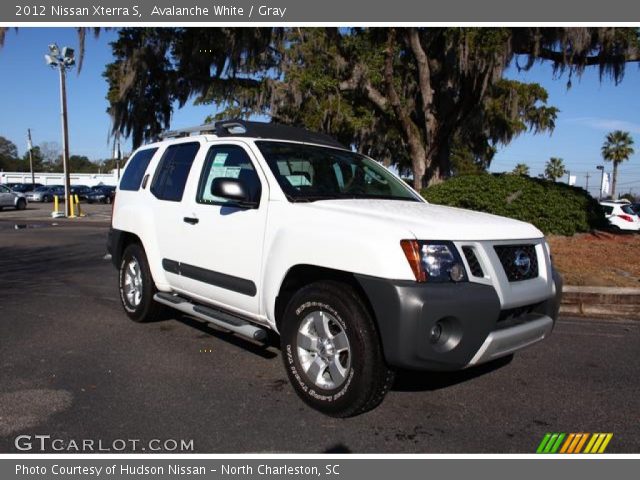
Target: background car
[(24, 187), (9, 198), (621, 216), (101, 194), (46, 193), (81, 190)]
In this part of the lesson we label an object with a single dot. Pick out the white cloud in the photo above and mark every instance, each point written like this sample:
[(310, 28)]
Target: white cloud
[(606, 124)]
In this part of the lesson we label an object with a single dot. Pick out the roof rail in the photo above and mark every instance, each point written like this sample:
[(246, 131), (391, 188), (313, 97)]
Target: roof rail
[(243, 128)]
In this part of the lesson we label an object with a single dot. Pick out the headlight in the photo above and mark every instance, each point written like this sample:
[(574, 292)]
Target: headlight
[(434, 261)]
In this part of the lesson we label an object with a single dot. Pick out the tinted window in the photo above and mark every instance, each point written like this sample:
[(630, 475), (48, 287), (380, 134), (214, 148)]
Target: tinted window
[(173, 170), (227, 161), (136, 166), (628, 209), (607, 209)]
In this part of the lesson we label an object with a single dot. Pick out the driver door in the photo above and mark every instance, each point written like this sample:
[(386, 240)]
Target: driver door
[(223, 261)]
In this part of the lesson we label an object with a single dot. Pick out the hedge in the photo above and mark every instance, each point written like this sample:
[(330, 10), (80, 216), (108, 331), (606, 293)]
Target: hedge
[(555, 208)]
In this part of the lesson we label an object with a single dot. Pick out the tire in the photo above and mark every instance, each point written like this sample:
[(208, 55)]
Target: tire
[(21, 205), (336, 377), (138, 302), (46, 199)]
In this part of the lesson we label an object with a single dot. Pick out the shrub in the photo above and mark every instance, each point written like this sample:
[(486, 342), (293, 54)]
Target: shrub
[(555, 208)]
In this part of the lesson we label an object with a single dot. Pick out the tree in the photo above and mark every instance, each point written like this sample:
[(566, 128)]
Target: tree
[(51, 155), (554, 169), (419, 90), (521, 169), (617, 148), (8, 149)]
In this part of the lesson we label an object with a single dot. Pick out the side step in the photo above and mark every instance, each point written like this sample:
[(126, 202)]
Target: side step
[(219, 318)]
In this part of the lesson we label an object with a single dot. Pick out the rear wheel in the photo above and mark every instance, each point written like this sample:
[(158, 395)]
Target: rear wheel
[(137, 287), (332, 352)]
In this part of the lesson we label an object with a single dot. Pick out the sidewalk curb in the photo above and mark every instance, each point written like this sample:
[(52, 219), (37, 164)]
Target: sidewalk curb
[(601, 302)]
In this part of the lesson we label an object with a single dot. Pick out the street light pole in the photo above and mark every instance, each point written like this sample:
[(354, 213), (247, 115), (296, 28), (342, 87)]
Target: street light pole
[(601, 168), (30, 145), (65, 141), (62, 60)]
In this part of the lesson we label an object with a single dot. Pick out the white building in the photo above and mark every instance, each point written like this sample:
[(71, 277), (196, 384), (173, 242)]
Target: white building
[(88, 179)]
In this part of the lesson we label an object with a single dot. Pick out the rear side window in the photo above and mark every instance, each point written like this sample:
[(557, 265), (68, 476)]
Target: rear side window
[(173, 170), (136, 167), (628, 209)]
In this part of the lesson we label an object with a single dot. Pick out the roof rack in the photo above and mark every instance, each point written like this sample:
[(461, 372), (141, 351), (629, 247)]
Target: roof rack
[(242, 128)]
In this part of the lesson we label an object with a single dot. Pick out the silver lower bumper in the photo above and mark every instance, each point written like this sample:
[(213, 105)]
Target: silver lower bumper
[(503, 342)]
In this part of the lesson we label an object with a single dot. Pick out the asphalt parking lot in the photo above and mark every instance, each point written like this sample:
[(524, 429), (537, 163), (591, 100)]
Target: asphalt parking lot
[(74, 367)]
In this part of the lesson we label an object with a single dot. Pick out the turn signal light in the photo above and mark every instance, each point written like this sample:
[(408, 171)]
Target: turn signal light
[(411, 249)]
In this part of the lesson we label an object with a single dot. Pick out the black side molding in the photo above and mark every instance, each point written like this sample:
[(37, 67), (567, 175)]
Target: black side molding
[(217, 279)]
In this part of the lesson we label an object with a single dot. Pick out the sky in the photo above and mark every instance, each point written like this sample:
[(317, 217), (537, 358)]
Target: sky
[(29, 98)]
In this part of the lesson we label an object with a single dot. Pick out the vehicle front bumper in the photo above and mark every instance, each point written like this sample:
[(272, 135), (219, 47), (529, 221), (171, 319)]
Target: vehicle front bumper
[(474, 327)]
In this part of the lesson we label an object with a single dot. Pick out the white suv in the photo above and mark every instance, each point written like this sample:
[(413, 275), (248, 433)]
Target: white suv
[(621, 216), (257, 227)]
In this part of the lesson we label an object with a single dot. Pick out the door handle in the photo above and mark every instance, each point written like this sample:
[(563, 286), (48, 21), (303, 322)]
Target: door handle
[(190, 220)]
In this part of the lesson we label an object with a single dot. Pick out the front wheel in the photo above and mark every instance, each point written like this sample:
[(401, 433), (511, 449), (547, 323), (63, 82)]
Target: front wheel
[(332, 352), (22, 204), (137, 287)]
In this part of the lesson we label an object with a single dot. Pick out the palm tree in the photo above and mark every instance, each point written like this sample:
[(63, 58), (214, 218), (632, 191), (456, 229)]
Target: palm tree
[(521, 169), (554, 169), (617, 148)]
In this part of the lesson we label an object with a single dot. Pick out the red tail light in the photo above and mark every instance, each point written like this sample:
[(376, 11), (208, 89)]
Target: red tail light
[(628, 218)]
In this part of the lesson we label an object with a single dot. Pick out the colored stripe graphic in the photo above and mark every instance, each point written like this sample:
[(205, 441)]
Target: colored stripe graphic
[(574, 443)]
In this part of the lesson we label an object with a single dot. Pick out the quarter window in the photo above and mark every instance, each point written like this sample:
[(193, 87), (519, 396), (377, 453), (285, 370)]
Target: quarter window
[(135, 169)]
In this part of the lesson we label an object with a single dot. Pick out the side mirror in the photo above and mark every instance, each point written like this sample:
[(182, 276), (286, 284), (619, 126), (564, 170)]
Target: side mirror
[(234, 190)]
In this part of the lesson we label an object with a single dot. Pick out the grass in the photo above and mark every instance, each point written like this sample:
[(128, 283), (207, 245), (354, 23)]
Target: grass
[(598, 259)]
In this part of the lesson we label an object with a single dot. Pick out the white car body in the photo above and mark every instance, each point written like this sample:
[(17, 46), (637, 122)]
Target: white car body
[(241, 262), (622, 216)]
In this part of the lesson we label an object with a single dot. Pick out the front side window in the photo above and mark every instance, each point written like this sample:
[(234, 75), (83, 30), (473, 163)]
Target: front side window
[(227, 161), (173, 171), (307, 173)]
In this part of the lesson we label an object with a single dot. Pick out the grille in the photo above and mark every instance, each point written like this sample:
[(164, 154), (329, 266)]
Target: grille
[(516, 316), (514, 261), (472, 260)]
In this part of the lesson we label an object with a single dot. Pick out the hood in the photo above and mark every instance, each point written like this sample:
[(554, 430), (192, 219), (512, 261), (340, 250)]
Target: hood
[(432, 222)]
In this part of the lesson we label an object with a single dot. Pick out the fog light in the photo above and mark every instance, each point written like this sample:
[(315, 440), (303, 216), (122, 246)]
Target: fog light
[(435, 333)]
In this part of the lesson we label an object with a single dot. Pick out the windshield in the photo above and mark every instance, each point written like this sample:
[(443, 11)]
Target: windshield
[(307, 173)]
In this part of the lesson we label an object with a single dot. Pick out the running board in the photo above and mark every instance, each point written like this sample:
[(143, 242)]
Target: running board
[(219, 318)]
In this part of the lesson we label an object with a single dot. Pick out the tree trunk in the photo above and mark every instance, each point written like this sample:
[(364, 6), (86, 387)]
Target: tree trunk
[(614, 180)]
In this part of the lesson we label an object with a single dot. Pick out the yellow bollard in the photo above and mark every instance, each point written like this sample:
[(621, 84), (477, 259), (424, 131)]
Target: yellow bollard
[(80, 214), (55, 204), (71, 214)]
